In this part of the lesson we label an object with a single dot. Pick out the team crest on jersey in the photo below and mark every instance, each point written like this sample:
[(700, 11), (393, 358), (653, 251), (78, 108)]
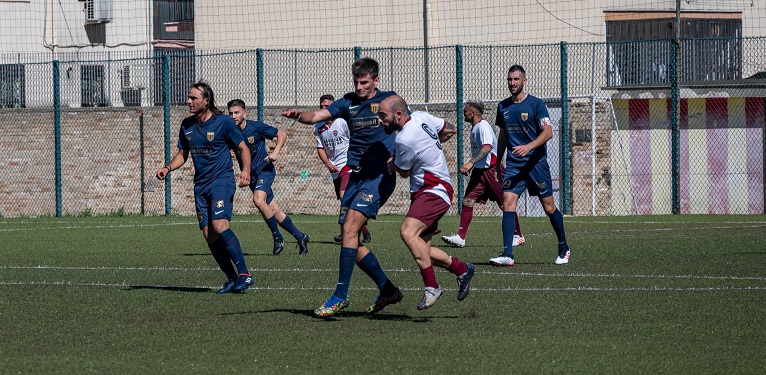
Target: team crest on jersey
[(353, 112), (545, 121), (542, 186), (524, 116), (210, 136), (374, 107), (251, 139), (334, 133), (219, 204)]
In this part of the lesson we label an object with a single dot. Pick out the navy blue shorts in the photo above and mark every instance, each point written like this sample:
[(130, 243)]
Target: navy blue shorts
[(535, 179), (263, 180), (215, 203), (366, 193)]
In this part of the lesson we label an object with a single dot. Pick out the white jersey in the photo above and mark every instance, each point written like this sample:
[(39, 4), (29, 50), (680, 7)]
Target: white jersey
[(419, 151), (483, 134), (334, 140)]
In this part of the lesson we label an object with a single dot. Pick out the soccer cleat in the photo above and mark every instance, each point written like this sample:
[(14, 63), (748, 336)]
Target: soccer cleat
[(332, 306), (279, 245), (502, 261), (563, 258), (228, 286), (464, 282), (366, 238), (338, 238), (383, 301), (454, 240), (518, 240), (430, 295), (243, 282), (303, 245)]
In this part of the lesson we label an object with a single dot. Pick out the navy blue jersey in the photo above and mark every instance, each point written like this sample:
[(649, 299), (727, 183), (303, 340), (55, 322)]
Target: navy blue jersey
[(209, 143), (255, 134), (522, 122), (369, 146)]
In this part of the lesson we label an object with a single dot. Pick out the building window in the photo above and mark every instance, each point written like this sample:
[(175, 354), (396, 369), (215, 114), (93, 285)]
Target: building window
[(12, 86), (182, 75), (92, 86), (174, 20), (639, 47)]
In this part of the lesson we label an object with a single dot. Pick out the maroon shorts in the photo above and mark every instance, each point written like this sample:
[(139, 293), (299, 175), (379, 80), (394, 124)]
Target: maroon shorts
[(483, 186), (341, 181), (428, 208)]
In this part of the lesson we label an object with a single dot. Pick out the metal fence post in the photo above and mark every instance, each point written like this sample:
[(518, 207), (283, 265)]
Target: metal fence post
[(566, 186), (259, 81), (357, 53), (675, 133), (166, 110), (57, 133), (459, 117)]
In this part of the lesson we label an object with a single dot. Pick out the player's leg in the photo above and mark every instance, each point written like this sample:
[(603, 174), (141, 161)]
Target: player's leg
[(543, 188), (494, 191), (215, 243), (513, 185), (287, 224), (221, 203)]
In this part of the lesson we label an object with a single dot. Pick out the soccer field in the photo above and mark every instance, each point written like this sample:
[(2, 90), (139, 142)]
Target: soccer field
[(134, 295)]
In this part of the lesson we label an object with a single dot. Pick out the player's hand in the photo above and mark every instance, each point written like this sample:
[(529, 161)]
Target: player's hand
[(244, 178), (521, 151), (291, 113), (161, 173), (272, 156), (498, 173), (466, 168), (332, 168), (390, 165)]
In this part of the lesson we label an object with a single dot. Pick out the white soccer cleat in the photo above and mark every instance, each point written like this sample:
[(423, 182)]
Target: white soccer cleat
[(502, 261), (430, 295), (454, 240), (562, 259), (518, 240)]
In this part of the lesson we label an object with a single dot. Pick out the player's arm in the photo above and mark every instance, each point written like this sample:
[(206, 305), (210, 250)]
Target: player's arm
[(485, 150), (447, 132), (323, 157), (274, 154), (308, 117), (502, 143), (545, 135), (176, 162), (244, 158)]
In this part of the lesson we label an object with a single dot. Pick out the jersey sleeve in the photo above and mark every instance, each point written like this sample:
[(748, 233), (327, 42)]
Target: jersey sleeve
[(233, 135), (316, 135), (268, 131), (183, 143), (543, 118), (338, 107), (486, 135), (405, 156), (438, 124)]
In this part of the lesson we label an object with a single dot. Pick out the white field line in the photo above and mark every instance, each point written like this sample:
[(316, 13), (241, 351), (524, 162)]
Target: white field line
[(509, 289), (391, 270), (110, 225)]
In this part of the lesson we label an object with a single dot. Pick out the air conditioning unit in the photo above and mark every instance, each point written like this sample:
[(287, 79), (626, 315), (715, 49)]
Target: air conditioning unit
[(98, 11)]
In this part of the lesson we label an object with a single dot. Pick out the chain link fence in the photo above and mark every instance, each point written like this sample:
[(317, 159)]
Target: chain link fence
[(84, 134)]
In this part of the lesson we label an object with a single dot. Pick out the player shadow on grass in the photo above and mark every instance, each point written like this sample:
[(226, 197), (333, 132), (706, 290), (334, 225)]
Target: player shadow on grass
[(185, 289), (350, 314)]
